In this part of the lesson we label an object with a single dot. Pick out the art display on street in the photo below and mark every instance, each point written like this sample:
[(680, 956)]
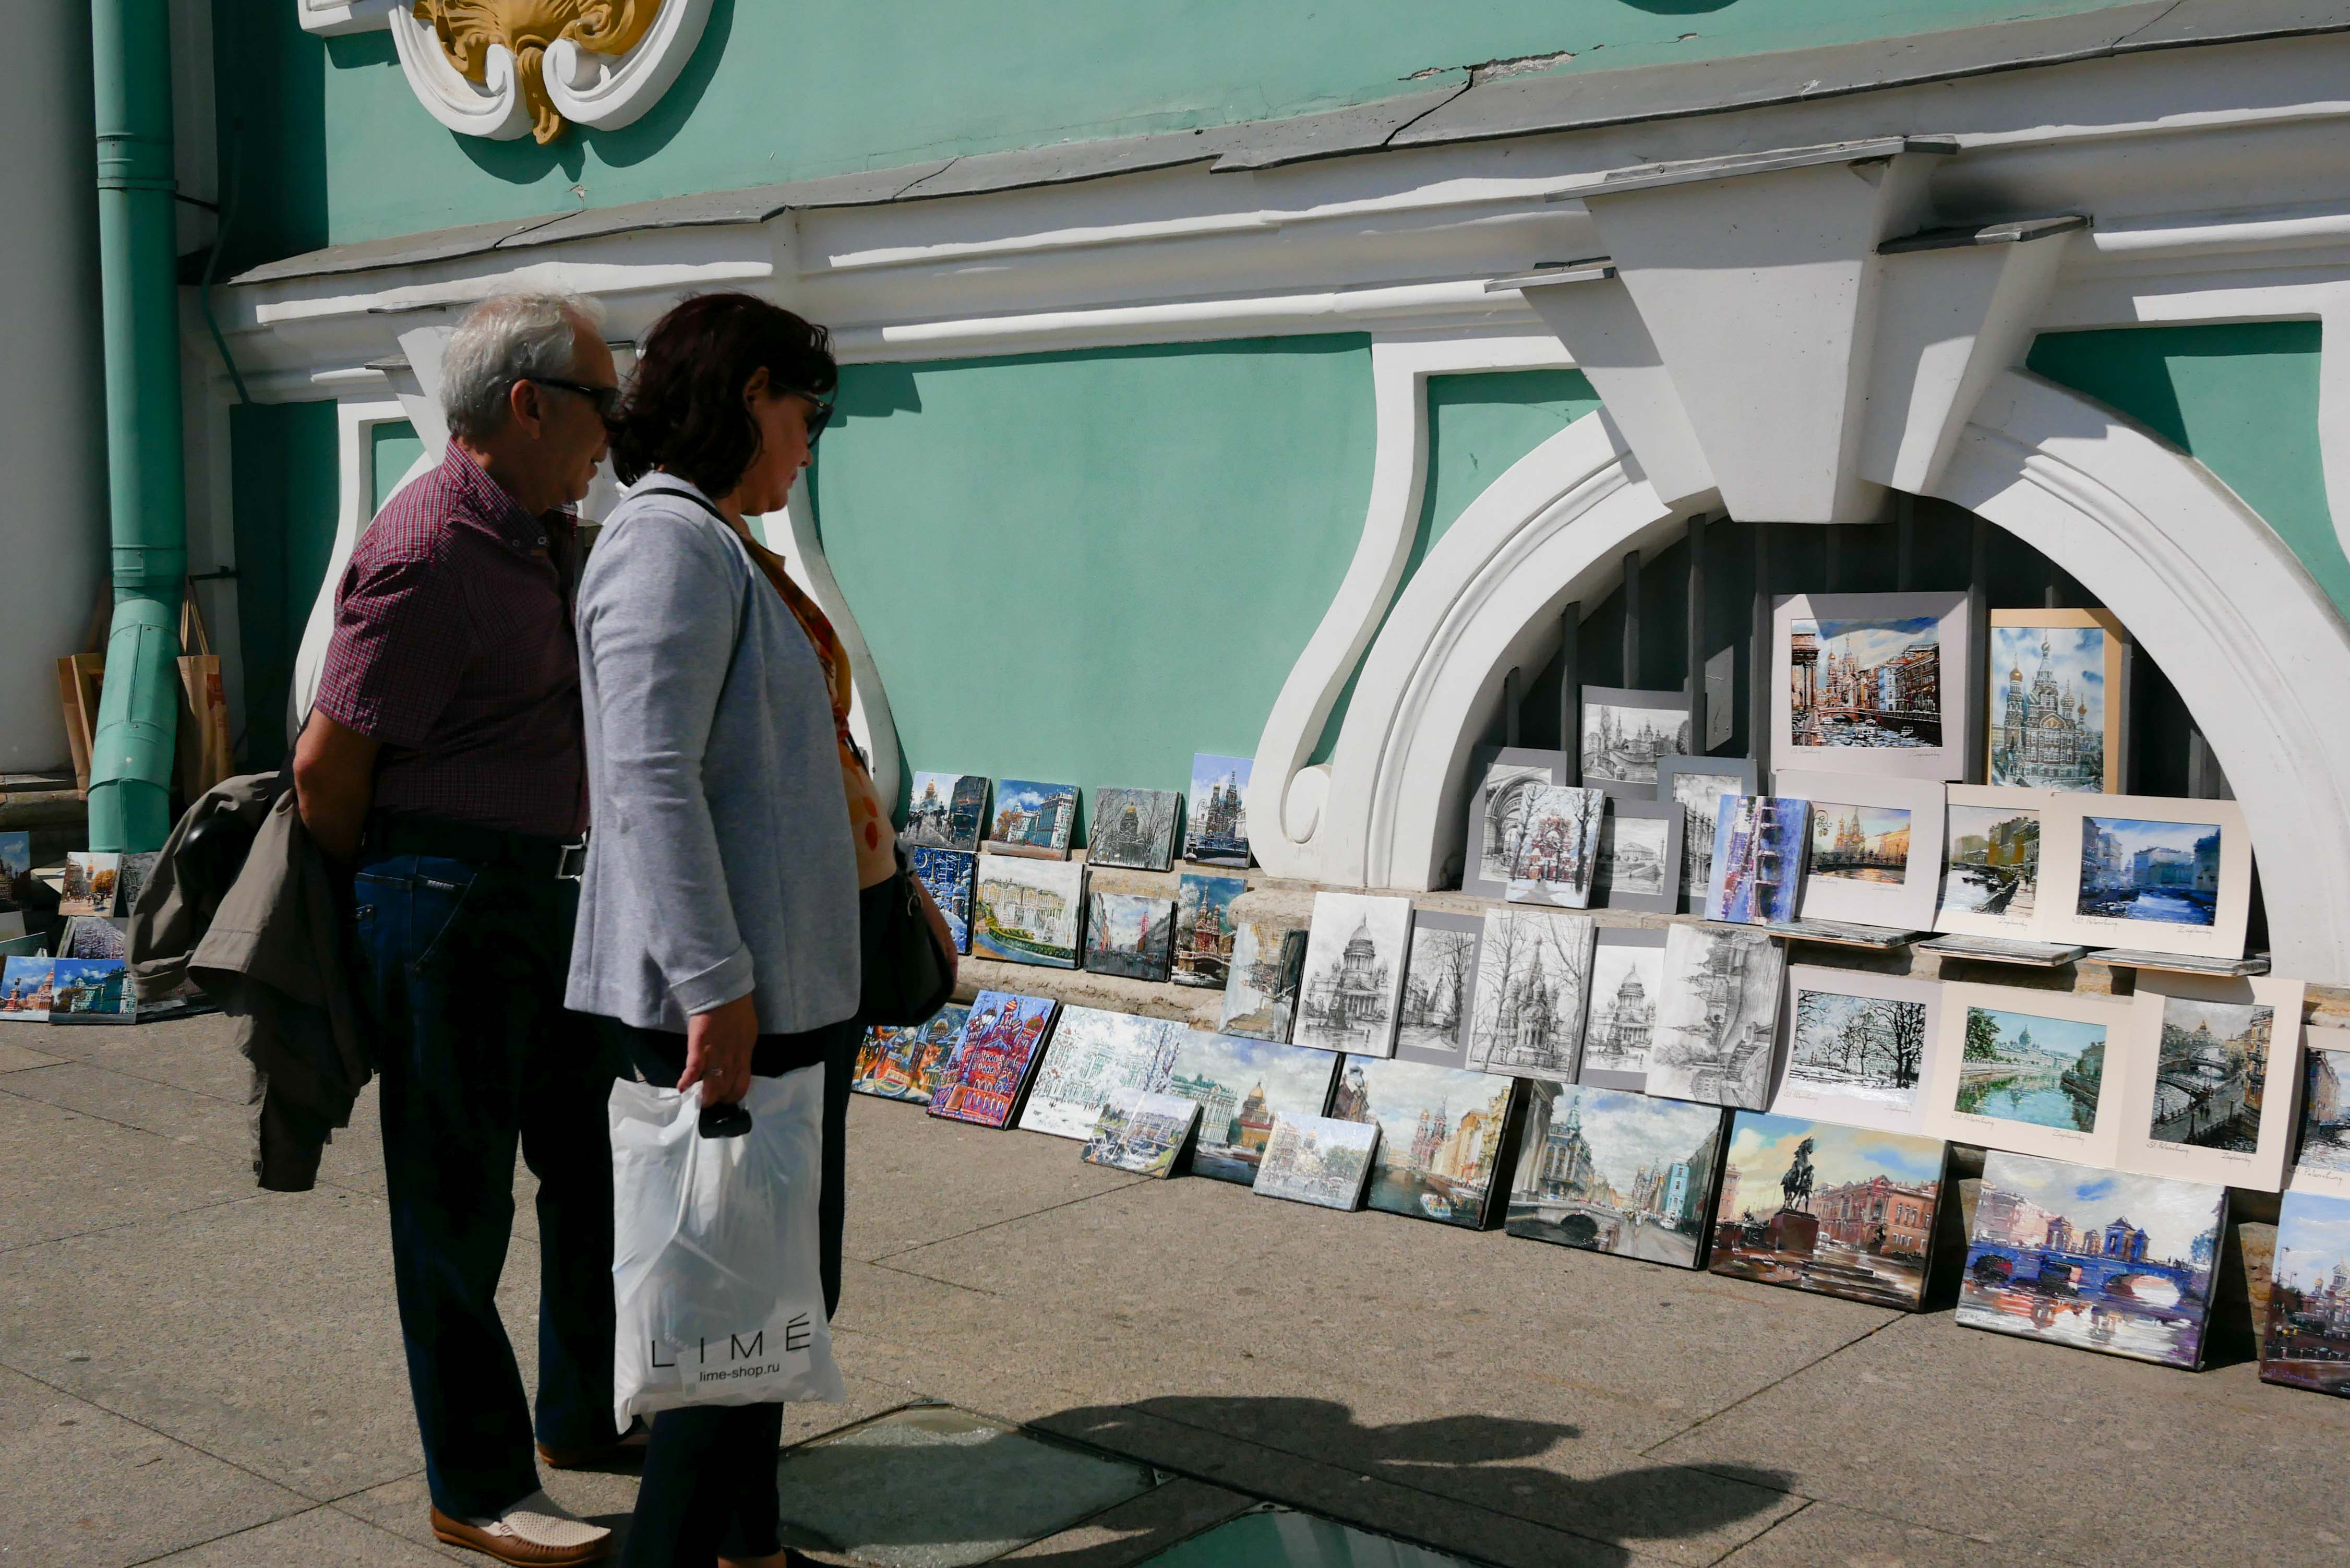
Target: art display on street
[(1132, 827), (908, 1063), (1354, 952), (950, 875), (1990, 855), (1697, 785), (2306, 1344), (1140, 1132), (1639, 865), (1440, 988), (983, 1077), (1026, 911), (1093, 1052), (1718, 1017), (1440, 1131), (1628, 975), (1507, 780), (1558, 848), (947, 811), (1533, 987), (2059, 699), (1759, 843), (1215, 824), (1205, 927), (1243, 1087), (2208, 1093), (1032, 820), (2094, 1258), (89, 883), (1828, 1208), (1615, 1172), (1625, 732), (1859, 1046), (1261, 980), (2032, 1071), (1129, 934), (1871, 684), (2142, 871), (1318, 1160)]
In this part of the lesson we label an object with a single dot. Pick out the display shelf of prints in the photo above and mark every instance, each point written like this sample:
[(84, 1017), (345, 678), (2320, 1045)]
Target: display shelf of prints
[(1205, 929), (1759, 843), (2180, 963), (1440, 1131), (2322, 1151), (1992, 873), (1640, 856), (1625, 732), (1261, 980), (1140, 1132), (2141, 871), (2005, 949), (2059, 701), (1610, 1171), (1347, 999), (2306, 1339), (1095, 1052), (2095, 1259), (2032, 1071), (950, 875), (1871, 684), (1243, 1086), (1697, 785), (1129, 934), (1876, 851), (1843, 934), (1028, 911), (947, 811), (1533, 991), (982, 1079), (1558, 848), (1508, 779), (1321, 1160), (1859, 1048), (1215, 824), (1033, 820), (1627, 976), (1717, 1016), (1833, 1210), (2207, 1085), (1134, 828), (909, 1063), (1440, 988)]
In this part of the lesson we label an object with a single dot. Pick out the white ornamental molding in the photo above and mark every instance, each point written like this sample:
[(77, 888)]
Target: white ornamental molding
[(501, 68)]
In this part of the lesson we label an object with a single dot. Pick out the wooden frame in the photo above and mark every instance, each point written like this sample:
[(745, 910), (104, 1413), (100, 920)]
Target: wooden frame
[(2113, 674)]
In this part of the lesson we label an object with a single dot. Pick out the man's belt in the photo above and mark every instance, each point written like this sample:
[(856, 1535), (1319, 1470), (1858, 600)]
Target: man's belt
[(531, 854)]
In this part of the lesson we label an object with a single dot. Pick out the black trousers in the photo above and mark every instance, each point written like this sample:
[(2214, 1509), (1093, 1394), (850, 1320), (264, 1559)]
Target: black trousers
[(709, 1484)]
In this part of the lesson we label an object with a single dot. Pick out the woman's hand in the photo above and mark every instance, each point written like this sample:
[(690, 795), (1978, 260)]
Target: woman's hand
[(718, 1051)]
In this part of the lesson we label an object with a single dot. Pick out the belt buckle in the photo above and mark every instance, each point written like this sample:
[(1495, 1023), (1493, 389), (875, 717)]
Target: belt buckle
[(571, 861)]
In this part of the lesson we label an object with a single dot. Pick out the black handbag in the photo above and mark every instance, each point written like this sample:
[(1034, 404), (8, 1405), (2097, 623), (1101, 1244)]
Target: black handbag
[(907, 978)]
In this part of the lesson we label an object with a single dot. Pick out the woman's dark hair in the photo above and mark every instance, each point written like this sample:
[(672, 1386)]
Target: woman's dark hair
[(683, 411)]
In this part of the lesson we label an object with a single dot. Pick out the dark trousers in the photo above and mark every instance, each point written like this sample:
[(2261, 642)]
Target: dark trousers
[(709, 1485), (462, 965)]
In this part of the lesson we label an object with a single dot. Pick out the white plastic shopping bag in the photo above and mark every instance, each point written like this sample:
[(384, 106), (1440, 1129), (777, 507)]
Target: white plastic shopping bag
[(715, 1267)]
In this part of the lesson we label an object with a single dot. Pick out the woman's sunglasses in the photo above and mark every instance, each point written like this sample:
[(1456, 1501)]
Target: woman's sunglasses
[(820, 413)]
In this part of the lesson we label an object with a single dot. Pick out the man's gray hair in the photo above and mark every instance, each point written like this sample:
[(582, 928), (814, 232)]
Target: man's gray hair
[(506, 338)]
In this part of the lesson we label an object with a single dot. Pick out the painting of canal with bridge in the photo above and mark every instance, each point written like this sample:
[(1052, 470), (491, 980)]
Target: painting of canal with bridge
[(1866, 684), (2094, 1258), (2022, 1067)]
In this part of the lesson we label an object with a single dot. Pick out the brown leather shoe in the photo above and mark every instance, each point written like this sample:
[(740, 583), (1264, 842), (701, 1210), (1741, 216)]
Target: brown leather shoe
[(631, 1446), (534, 1534)]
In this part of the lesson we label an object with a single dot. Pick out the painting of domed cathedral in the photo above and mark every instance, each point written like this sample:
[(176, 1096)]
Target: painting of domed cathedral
[(1243, 1086), (1353, 974), (1134, 828), (1205, 927), (1625, 732), (946, 811), (1533, 985), (1217, 829), (1628, 974), (2059, 699)]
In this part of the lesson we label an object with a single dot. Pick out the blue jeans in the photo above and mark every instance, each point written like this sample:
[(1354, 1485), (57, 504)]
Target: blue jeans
[(461, 967)]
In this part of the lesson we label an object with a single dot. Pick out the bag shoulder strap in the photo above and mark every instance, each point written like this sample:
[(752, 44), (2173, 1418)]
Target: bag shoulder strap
[(743, 617)]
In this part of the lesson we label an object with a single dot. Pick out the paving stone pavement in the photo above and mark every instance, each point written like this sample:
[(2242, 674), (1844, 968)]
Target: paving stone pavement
[(197, 1374)]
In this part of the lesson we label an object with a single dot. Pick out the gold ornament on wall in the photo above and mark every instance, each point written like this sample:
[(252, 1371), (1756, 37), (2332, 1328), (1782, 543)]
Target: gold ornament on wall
[(467, 29)]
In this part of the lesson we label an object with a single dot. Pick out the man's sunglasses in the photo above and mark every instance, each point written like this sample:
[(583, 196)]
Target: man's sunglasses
[(605, 398)]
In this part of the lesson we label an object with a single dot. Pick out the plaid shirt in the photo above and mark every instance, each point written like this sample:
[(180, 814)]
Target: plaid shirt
[(454, 646)]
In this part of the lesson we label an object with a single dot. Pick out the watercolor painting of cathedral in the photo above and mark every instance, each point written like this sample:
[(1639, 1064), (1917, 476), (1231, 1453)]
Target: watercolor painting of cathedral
[(2049, 706)]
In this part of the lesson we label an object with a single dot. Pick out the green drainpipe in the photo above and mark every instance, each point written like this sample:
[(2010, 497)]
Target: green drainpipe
[(131, 755)]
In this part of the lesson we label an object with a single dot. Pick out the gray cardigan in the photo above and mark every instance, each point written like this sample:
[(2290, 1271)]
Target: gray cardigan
[(721, 862)]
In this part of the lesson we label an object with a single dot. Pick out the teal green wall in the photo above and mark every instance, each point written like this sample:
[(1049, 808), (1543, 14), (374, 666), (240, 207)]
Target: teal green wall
[(2243, 398), (1478, 425), (336, 149), (282, 456), (1085, 568), (394, 448)]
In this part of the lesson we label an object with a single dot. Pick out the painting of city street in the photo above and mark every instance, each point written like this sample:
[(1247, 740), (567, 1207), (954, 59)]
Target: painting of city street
[(1624, 732), (1439, 984), (1759, 841), (947, 811), (1354, 951), (1261, 980), (2324, 1148), (1205, 929), (908, 1063), (1140, 1132), (1440, 1131), (1698, 794), (89, 883), (1129, 934), (1533, 985), (1638, 863), (2021, 1067), (2212, 1074), (1860, 843), (2161, 871), (1717, 1017), (1132, 827), (1032, 819), (1865, 685), (1628, 972), (2048, 707), (1094, 1052), (1499, 819), (1558, 848), (2307, 1342), (1243, 1086), (1828, 1208), (949, 874), (1866, 1048), (1026, 910), (983, 1075), (2094, 1258), (1318, 1160), (1609, 1171), (1215, 830), (1993, 860)]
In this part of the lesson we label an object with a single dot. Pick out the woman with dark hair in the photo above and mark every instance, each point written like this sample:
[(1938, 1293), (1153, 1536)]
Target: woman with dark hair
[(734, 822)]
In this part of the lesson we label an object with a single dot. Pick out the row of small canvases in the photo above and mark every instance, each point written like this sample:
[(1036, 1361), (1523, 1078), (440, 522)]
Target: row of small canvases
[(1133, 828), (2076, 1254)]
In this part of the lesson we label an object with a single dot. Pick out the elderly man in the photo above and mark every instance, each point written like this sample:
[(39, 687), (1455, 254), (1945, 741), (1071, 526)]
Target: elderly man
[(445, 760)]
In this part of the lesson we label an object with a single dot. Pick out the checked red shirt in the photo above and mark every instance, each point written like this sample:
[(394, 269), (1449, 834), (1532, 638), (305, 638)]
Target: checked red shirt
[(454, 646)]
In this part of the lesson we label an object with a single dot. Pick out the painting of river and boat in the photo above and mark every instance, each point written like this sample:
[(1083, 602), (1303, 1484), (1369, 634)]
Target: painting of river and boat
[(2026, 1067), (1992, 860), (1440, 1131), (2165, 872)]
